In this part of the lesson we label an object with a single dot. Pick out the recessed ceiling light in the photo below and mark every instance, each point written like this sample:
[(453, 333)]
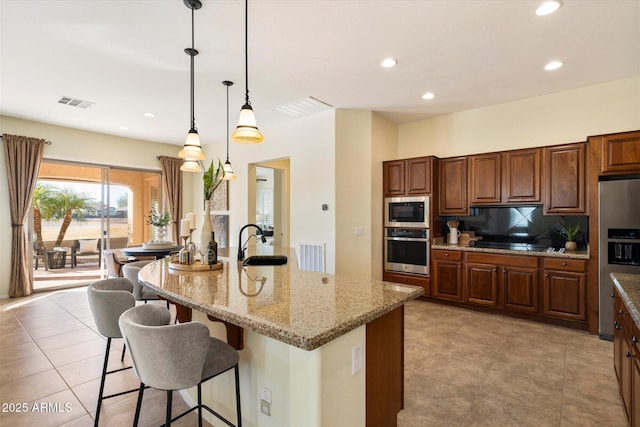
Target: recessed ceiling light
[(548, 7), (429, 95), (123, 128), (389, 63), (149, 114), (553, 65)]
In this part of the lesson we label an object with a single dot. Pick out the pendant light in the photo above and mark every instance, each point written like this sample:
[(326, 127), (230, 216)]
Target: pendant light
[(228, 170), (247, 131), (192, 150)]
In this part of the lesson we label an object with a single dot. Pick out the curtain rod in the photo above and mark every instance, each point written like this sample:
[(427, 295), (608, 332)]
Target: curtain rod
[(46, 142)]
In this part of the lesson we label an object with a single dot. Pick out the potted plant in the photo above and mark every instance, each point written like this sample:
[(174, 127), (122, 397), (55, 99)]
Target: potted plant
[(570, 232), (159, 221)]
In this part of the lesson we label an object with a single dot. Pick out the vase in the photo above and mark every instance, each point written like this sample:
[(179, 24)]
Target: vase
[(570, 246), (207, 227), (160, 233)]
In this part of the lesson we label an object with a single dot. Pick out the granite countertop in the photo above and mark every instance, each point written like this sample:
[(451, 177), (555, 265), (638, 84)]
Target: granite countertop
[(301, 308), (629, 287), (439, 243)]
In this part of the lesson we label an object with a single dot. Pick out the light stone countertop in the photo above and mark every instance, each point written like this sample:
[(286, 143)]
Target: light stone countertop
[(301, 308), (629, 287), (439, 243)]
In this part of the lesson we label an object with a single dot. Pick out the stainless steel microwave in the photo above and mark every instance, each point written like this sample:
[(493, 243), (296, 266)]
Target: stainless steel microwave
[(410, 211)]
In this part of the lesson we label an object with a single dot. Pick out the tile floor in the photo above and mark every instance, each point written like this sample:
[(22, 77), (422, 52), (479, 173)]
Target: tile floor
[(462, 368)]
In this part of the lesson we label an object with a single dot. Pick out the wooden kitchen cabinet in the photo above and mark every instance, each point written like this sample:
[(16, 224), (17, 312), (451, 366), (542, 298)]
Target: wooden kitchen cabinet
[(564, 179), (408, 176), (409, 279), (565, 288), (485, 179), (620, 153), (625, 354), (514, 277), (453, 186), (447, 275), (521, 183)]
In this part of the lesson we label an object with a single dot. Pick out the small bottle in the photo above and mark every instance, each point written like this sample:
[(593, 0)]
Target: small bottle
[(212, 252)]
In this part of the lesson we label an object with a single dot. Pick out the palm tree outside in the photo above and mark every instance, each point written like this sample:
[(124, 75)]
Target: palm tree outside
[(67, 204)]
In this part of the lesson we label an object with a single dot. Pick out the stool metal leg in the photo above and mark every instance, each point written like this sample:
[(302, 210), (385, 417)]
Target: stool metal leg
[(168, 417), (104, 375), (136, 418), (200, 405), (236, 369), (124, 347)]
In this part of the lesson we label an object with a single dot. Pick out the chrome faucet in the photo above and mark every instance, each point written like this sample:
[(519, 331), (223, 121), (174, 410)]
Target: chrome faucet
[(241, 247)]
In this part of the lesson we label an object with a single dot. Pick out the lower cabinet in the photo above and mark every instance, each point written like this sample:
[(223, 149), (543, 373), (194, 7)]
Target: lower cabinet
[(447, 275), (409, 279), (625, 359), (507, 281), (565, 288)]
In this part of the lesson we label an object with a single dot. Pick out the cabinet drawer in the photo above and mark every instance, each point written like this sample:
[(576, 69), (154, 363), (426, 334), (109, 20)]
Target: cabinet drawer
[(564, 264), (447, 255)]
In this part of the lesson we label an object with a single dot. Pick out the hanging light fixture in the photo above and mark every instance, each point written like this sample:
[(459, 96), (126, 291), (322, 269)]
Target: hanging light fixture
[(228, 170), (247, 131), (192, 150)]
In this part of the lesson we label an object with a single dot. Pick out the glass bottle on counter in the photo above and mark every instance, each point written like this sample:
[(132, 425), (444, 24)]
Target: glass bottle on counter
[(212, 251)]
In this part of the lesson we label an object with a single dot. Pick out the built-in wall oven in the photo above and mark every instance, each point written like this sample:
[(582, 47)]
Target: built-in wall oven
[(407, 250)]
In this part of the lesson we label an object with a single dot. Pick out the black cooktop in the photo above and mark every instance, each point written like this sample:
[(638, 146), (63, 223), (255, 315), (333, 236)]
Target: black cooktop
[(509, 246)]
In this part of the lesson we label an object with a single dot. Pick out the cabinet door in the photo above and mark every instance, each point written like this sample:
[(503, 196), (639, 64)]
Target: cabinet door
[(522, 176), (520, 289), (409, 279), (565, 295), (447, 280), (564, 179), (635, 412), (393, 178), (418, 175), (485, 179), (482, 284), (626, 373), (621, 153), (453, 186)]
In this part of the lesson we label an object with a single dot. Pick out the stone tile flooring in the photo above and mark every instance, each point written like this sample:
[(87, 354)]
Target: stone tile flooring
[(462, 368)]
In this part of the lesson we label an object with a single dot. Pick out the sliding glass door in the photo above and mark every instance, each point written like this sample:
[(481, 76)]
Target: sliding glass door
[(80, 210)]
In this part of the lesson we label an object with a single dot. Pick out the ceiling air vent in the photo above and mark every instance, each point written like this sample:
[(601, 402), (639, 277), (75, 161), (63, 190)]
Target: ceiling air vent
[(303, 106), (75, 102)]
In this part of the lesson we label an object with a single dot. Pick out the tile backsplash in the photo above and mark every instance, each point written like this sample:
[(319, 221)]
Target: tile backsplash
[(519, 224)]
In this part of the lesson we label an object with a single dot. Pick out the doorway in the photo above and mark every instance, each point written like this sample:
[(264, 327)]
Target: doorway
[(269, 199), (80, 210)]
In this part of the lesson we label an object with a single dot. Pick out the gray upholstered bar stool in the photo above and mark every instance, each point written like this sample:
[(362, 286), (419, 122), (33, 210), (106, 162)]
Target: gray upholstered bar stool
[(108, 299), (141, 293), (175, 357)]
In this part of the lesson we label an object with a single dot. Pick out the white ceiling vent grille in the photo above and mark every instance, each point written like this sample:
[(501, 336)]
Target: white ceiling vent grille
[(303, 106), (75, 102)]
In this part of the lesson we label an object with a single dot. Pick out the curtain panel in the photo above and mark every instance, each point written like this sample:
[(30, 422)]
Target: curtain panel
[(172, 184), (23, 157)]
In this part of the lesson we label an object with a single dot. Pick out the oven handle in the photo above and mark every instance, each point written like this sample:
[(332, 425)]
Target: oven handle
[(406, 239)]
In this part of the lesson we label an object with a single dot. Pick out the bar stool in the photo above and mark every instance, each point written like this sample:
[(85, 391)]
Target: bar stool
[(108, 299), (175, 357), (140, 292)]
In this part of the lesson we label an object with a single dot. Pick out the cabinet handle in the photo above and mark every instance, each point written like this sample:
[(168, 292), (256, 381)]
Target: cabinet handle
[(621, 312), (564, 264), (446, 254), (634, 339), (493, 271), (613, 295), (547, 275), (629, 354)]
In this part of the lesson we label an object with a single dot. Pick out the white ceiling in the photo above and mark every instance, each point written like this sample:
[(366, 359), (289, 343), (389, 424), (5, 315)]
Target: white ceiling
[(128, 57)]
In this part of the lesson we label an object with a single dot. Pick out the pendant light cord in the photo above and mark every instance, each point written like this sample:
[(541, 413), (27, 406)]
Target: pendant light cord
[(192, 52), (227, 124), (246, 51)]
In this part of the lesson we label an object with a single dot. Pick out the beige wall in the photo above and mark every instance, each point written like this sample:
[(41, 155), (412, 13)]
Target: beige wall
[(72, 145), (363, 141), (563, 117)]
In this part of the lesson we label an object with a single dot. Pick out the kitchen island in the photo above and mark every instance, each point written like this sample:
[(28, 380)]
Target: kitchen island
[(328, 349)]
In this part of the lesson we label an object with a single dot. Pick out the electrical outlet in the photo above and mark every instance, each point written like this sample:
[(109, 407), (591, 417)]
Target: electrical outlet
[(356, 359), (359, 231), (265, 407), (266, 395)]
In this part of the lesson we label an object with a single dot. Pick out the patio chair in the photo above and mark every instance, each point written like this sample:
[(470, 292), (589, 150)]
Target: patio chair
[(85, 248)]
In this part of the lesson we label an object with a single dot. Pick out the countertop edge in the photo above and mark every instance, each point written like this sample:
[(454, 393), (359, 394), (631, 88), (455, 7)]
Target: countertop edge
[(628, 285), (464, 248)]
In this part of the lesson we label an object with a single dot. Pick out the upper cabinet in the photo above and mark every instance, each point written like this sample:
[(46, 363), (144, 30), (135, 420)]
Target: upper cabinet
[(485, 179), (453, 186), (621, 153), (408, 177), (521, 182), (564, 179)]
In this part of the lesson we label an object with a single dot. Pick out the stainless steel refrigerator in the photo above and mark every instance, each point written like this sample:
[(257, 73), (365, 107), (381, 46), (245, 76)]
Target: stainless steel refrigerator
[(619, 237)]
